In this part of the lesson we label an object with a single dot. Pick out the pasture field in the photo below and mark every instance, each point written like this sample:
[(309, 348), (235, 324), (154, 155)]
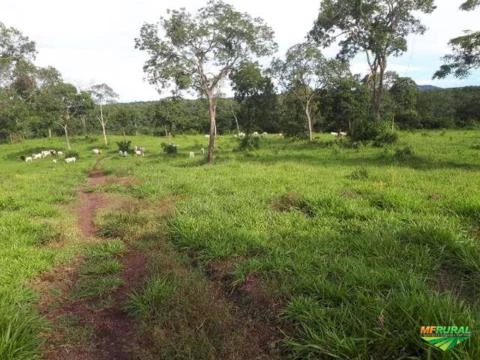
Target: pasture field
[(350, 250)]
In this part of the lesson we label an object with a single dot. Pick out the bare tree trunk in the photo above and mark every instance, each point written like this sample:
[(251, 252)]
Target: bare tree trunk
[(378, 91), (49, 133), (212, 109), (236, 122), (309, 121), (104, 131), (84, 125), (65, 128)]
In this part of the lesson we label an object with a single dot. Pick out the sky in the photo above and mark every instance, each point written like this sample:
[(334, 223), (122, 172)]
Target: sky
[(92, 42)]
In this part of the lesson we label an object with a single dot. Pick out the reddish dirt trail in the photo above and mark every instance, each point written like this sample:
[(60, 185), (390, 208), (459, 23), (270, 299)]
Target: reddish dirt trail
[(90, 202), (112, 331)]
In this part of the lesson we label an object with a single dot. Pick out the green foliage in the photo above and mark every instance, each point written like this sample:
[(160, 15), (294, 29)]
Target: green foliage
[(124, 145), (365, 130), (385, 138), (249, 143), (170, 149), (377, 27), (72, 153), (255, 94), (404, 153)]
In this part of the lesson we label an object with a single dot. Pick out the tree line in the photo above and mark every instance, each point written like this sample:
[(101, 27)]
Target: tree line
[(297, 94)]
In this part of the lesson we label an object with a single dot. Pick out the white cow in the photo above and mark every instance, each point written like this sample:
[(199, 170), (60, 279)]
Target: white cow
[(97, 151), (71, 160)]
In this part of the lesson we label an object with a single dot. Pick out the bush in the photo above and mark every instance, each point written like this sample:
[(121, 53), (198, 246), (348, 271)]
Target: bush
[(365, 130), (170, 149), (249, 143), (72, 153), (385, 138), (404, 153), (124, 145), (408, 120)]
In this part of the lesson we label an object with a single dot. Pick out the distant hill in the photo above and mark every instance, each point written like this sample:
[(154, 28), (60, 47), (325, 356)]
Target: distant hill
[(428, 88)]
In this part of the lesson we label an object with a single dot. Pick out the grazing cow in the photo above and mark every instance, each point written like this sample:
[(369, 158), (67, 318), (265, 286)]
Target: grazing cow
[(28, 159), (97, 151), (36, 156), (70, 160)]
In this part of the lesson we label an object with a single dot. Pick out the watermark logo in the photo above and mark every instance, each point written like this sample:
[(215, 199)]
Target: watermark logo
[(445, 337)]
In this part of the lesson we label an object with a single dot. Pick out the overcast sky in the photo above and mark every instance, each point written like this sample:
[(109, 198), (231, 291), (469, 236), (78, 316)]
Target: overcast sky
[(93, 41)]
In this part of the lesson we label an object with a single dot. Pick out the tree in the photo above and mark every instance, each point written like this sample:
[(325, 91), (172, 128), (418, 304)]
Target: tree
[(305, 72), (102, 95), (403, 93), (14, 48), (60, 101), (379, 28), (84, 105), (256, 97), (466, 51), (345, 104), (199, 51), (47, 80)]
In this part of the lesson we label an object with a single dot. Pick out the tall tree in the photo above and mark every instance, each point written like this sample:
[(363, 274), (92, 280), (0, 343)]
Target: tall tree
[(199, 51), (466, 51), (61, 101), (14, 48), (47, 80), (103, 94), (379, 28), (305, 72), (256, 97)]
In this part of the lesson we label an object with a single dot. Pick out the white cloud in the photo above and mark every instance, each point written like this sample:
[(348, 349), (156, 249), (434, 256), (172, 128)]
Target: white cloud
[(92, 41)]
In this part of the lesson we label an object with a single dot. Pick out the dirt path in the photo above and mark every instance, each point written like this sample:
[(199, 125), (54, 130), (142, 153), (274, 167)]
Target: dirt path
[(98, 328), (110, 331)]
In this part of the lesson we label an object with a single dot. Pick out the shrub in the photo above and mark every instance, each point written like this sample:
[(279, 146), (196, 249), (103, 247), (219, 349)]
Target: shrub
[(408, 120), (170, 149), (404, 153), (385, 138), (249, 143), (365, 130), (124, 145), (72, 153)]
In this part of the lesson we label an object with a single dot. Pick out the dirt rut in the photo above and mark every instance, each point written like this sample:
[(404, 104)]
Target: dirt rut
[(111, 331)]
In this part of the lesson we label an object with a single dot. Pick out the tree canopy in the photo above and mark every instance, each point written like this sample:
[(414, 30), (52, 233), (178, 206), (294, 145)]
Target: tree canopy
[(379, 28), (466, 51), (199, 51)]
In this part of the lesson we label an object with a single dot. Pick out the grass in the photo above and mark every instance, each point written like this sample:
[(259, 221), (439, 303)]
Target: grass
[(362, 245), (37, 232), (366, 244)]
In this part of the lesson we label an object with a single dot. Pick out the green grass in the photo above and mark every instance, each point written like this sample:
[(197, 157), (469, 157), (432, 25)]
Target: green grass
[(37, 231), (99, 274), (364, 245), (373, 243)]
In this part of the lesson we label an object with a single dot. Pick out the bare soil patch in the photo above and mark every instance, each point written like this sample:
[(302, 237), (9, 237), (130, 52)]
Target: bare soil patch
[(91, 332)]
